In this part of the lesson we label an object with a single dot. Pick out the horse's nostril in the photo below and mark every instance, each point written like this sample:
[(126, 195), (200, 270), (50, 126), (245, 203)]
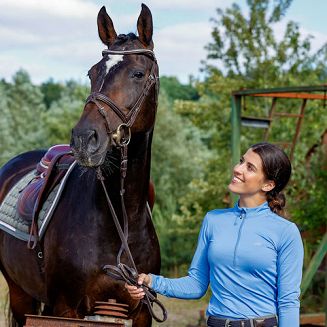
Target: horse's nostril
[(85, 141), (93, 143)]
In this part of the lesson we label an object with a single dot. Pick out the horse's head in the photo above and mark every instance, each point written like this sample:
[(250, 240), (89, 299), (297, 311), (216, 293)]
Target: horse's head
[(124, 90)]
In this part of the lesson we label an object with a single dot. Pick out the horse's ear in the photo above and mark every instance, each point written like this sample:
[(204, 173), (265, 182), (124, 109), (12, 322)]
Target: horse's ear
[(145, 26), (106, 28)]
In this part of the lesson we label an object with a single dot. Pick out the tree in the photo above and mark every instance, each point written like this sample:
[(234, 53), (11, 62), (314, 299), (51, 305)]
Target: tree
[(177, 91), (21, 116), (178, 157), (64, 113), (51, 91), (248, 49)]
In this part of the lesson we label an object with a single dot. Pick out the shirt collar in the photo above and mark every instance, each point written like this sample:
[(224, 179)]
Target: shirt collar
[(252, 211)]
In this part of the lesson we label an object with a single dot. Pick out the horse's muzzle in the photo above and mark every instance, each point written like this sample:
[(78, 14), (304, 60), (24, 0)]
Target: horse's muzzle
[(87, 147)]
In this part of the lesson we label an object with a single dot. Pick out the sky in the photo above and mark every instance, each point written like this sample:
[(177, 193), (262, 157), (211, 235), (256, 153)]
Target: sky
[(59, 38)]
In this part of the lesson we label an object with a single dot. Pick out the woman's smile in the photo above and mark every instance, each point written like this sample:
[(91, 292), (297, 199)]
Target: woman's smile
[(236, 179)]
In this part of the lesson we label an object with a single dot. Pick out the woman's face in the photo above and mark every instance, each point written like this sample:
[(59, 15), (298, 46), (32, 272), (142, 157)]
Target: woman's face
[(248, 179)]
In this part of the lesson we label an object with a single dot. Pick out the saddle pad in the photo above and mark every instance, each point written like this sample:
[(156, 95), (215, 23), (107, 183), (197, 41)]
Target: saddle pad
[(12, 223)]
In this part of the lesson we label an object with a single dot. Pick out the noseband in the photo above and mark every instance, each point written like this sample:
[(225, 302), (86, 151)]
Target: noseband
[(122, 136), (128, 120)]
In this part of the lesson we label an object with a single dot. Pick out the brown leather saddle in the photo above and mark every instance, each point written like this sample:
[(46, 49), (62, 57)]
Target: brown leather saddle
[(49, 172)]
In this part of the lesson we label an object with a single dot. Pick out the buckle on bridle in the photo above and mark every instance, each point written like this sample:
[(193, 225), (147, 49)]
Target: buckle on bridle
[(122, 136)]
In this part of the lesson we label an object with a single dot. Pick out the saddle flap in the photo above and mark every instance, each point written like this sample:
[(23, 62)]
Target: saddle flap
[(50, 170)]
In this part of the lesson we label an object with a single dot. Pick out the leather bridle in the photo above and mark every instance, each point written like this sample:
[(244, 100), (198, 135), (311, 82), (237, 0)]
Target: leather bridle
[(122, 137), (127, 119)]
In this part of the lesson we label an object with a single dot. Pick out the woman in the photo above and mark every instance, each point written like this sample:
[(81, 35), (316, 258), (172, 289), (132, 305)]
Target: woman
[(251, 256)]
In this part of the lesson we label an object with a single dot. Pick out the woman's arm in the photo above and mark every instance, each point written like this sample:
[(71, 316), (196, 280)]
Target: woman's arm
[(289, 274), (192, 286)]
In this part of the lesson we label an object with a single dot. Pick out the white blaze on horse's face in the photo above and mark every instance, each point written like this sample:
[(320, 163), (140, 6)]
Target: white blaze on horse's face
[(112, 61)]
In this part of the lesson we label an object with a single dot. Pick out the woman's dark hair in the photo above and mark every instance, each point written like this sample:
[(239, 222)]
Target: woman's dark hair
[(276, 167)]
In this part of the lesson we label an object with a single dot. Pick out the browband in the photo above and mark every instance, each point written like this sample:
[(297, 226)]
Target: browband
[(127, 52)]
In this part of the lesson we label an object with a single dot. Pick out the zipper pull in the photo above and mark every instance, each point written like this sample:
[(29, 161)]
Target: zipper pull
[(240, 217)]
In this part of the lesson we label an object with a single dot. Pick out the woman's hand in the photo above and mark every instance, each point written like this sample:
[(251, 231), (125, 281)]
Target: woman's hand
[(135, 292)]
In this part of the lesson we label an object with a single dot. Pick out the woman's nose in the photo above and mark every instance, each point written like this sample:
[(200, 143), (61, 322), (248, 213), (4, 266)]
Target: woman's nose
[(237, 169)]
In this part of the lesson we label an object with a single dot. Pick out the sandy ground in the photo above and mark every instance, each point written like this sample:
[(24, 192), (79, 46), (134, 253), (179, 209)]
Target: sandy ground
[(3, 300)]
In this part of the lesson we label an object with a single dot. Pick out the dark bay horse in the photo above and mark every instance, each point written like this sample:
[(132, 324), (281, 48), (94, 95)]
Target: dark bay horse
[(81, 237)]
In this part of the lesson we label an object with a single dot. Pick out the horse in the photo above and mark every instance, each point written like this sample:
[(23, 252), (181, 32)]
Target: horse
[(116, 126)]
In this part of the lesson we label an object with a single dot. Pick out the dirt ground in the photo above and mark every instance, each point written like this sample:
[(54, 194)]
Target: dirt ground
[(181, 313)]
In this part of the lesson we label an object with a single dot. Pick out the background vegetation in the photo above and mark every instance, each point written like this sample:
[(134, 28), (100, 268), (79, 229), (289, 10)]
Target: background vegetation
[(191, 149)]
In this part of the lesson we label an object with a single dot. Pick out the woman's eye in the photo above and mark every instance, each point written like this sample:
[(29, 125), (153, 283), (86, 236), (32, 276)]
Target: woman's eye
[(241, 160), (138, 74)]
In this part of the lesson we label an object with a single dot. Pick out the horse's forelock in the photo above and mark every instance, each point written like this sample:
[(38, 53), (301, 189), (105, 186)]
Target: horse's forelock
[(122, 38)]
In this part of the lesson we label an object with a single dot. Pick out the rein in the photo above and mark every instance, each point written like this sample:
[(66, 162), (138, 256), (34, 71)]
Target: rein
[(122, 137)]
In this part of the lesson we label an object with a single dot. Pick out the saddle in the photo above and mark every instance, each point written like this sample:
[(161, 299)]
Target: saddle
[(49, 172)]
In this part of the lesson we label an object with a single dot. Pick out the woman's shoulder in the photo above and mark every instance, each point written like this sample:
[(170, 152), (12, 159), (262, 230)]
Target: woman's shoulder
[(286, 228), (280, 221)]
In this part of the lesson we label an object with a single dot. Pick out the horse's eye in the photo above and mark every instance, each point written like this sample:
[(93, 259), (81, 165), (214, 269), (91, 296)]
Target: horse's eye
[(138, 75)]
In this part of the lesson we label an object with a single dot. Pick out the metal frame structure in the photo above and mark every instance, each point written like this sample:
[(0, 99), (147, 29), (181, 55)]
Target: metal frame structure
[(303, 93)]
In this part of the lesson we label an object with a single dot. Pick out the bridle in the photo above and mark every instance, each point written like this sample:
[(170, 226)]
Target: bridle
[(127, 119), (122, 137)]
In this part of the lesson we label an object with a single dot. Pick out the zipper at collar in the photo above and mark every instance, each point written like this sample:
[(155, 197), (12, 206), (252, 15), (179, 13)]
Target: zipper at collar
[(241, 216)]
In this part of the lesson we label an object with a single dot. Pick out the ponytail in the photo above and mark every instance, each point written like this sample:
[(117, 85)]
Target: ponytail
[(277, 202)]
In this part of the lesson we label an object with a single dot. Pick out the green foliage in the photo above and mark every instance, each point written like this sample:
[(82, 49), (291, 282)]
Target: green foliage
[(64, 113), (308, 194), (175, 90), (21, 112), (178, 157), (51, 91), (248, 50)]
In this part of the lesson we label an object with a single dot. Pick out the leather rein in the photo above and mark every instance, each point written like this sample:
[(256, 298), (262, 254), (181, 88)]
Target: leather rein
[(122, 137)]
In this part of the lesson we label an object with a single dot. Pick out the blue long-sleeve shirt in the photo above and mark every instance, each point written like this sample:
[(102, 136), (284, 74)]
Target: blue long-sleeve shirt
[(252, 259)]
